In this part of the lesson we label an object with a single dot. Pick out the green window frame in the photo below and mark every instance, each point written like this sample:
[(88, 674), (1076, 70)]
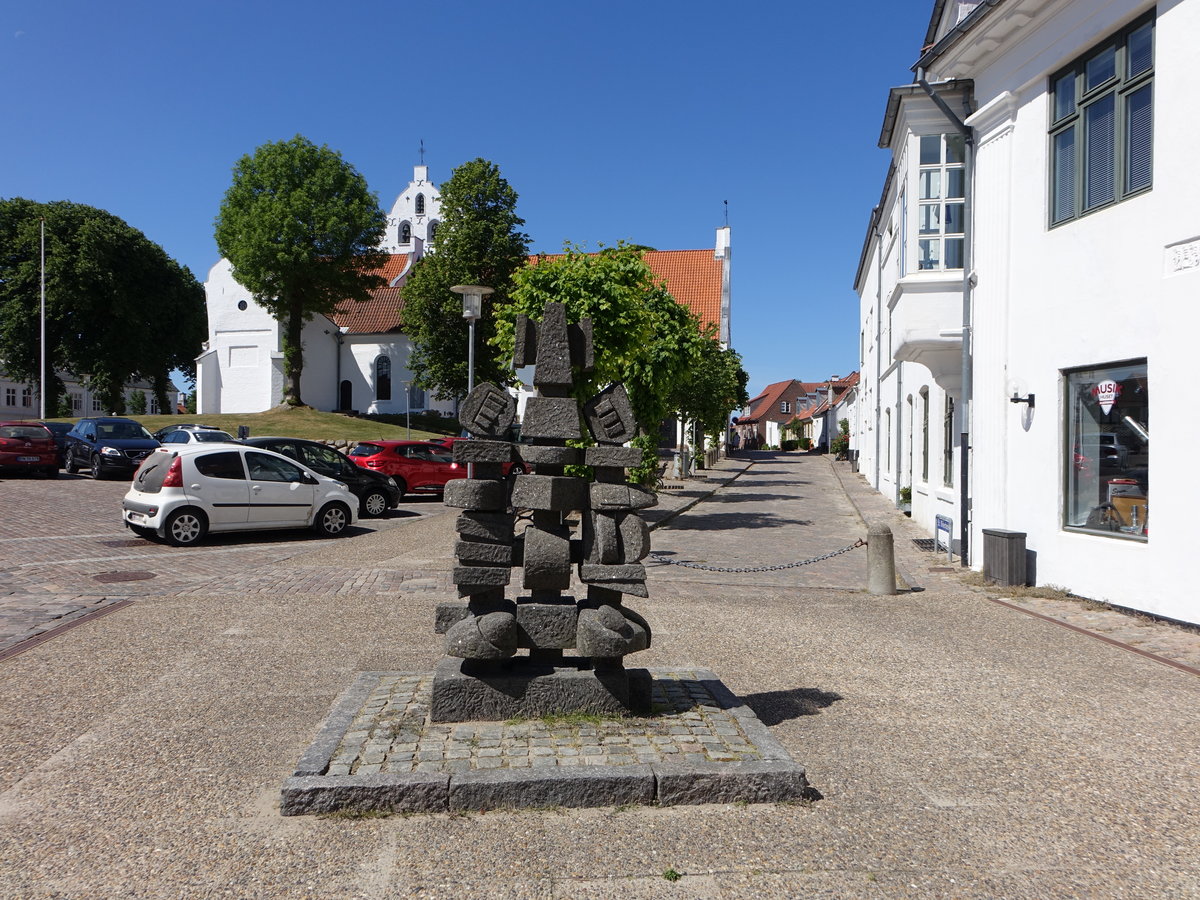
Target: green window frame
[(1101, 130)]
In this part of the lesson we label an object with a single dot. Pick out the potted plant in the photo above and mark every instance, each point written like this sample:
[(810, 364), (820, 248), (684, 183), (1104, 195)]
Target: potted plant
[(905, 494)]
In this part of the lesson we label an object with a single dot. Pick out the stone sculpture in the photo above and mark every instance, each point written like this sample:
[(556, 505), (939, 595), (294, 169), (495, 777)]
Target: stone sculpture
[(485, 674)]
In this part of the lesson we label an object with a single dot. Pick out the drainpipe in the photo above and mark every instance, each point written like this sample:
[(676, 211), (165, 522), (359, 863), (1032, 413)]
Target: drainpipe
[(964, 495), (878, 343)]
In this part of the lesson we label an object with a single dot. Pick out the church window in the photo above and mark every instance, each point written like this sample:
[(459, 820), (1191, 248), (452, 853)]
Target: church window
[(433, 227), (420, 205), (383, 378), (405, 233)]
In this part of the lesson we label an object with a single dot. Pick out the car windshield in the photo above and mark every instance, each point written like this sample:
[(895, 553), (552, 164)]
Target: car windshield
[(23, 431), (366, 450), (122, 431), (212, 436)]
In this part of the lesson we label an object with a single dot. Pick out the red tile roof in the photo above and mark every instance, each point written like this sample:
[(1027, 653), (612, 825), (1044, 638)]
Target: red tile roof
[(381, 313)]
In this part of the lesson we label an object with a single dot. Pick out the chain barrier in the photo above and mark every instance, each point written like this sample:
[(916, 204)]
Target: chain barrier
[(747, 569)]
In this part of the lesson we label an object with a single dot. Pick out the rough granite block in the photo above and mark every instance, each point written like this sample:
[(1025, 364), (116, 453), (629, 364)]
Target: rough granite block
[(476, 494), (604, 633), (577, 786), (546, 625), (480, 451), (622, 457), (490, 636), (600, 539), (488, 411), (415, 792), (556, 493), (525, 342), (481, 576), (551, 418), (476, 553), (496, 527), (533, 454), (582, 348), (609, 416), (625, 572), (620, 497), (752, 781), (546, 558), (449, 613), (553, 364)]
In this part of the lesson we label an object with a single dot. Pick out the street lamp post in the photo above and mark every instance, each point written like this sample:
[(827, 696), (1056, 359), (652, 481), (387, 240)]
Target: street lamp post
[(408, 410), (472, 309)]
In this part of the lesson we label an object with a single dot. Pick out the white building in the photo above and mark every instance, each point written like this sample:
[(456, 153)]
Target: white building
[(355, 359), (21, 400), (1042, 199)]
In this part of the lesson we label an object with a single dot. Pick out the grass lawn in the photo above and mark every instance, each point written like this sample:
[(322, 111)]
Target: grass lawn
[(304, 422)]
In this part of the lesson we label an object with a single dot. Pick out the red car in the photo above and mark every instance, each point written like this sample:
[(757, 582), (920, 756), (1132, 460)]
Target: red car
[(417, 467), (28, 447)]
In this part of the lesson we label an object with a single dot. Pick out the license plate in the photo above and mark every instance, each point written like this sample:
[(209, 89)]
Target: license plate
[(135, 517), (29, 459)]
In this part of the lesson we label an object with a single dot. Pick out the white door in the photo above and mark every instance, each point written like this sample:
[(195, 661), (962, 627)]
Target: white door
[(217, 481), (278, 494)]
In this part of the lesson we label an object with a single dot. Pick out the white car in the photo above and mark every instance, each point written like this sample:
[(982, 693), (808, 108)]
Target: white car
[(182, 493)]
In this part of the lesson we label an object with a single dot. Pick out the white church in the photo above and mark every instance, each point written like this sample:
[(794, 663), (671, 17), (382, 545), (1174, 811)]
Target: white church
[(358, 358)]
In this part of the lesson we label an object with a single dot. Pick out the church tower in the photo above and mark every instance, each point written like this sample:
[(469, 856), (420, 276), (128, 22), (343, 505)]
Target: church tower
[(412, 223)]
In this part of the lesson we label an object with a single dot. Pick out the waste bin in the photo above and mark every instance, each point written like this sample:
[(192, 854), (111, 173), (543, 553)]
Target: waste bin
[(1004, 556)]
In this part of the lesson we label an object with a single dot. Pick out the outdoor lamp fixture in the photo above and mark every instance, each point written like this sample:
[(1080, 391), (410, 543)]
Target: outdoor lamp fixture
[(472, 307), (1018, 399)]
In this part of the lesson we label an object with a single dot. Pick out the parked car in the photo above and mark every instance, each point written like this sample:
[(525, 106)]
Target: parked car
[(415, 466), (28, 447), (376, 492), (183, 493), (60, 430), (194, 436), (1107, 448), (107, 445), (162, 433)]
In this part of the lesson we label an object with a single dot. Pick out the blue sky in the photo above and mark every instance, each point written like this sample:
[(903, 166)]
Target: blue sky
[(616, 120)]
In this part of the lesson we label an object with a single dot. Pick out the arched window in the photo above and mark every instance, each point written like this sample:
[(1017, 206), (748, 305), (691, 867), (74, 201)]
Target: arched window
[(383, 378), (433, 227), (420, 207), (405, 233)]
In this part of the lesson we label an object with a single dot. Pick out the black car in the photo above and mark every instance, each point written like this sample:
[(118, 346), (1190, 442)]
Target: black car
[(107, 445), (376, 492)]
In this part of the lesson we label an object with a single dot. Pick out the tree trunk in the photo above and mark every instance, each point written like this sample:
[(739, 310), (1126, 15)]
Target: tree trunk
[(293, 354)]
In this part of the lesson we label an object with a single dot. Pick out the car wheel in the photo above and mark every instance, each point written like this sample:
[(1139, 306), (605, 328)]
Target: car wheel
[(185, 527), (375, 504), (72, 466), (400, 485), (97, 473), (517, 469), (332, 520)]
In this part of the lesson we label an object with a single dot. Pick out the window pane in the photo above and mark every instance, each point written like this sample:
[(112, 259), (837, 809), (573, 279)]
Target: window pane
[(955, 148), (1141, 49), (1063, 172), (954, 218), (956, 181), (930, 217), (1139, 138), (1064, 96), (1100, 68), (929, 254), (1108, 450), (1099, 145), (954, 253), (931, 184), (931, 149)]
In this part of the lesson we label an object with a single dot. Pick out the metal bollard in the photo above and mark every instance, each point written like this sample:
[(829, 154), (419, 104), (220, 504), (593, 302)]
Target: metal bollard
[(881, 561)]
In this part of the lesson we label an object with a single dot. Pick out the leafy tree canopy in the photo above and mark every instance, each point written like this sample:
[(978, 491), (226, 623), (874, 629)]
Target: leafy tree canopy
[(301, 230), (714, 388), (478, 242), (117, 307)]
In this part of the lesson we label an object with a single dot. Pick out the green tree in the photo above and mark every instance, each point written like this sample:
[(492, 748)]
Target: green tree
[(714, 387), (478, 242), (117, 307), (137, 403), (301, 230), (641, 336)]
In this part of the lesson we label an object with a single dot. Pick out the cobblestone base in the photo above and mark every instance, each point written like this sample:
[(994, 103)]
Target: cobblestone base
[(379, 751)]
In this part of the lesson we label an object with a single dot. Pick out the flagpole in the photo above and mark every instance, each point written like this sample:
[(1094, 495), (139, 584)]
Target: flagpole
[(42, 375)]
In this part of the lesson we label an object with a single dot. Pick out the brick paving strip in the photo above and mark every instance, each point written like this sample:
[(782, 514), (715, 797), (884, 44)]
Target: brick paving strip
[(377, 750), (53, 616)]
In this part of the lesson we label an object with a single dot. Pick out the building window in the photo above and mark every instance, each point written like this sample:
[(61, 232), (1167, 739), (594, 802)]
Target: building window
[(95, 404), (1102, 124), (383, 378), (27, 397), (941, 206), (405, 233), (420, 205), (1108, 449), (784, 406), (433, 229), (948, 444), (10, 396), (76, 402), (925, 435)]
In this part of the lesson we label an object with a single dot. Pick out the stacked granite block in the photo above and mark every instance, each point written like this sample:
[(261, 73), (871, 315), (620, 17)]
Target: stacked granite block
[(485, 674)]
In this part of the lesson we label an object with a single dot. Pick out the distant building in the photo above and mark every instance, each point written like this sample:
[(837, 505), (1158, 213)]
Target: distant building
[(20, 399)]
